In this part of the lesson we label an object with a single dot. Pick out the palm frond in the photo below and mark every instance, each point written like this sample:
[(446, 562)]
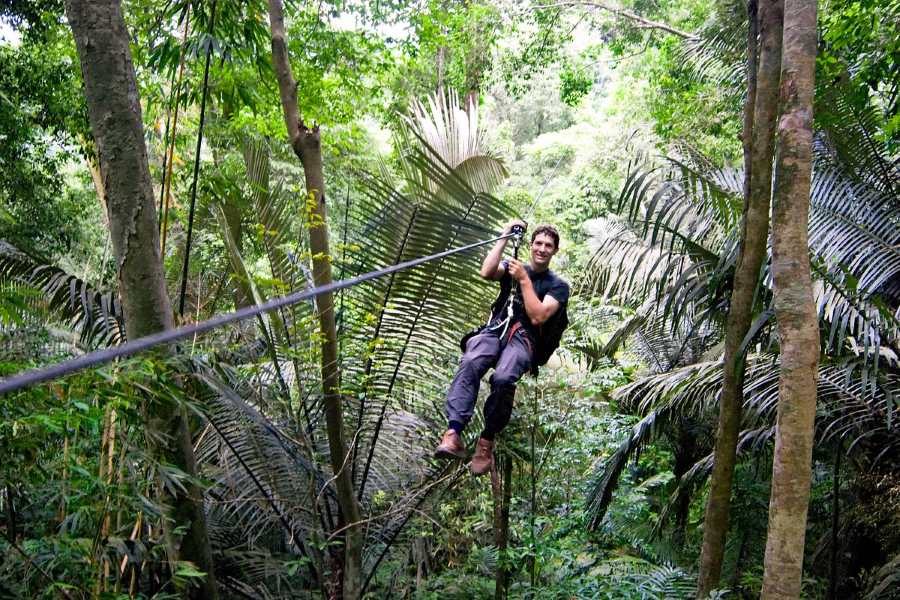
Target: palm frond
[(606, 478), (683, 258), (641, 578), (848, 408), (452, 134), (264, 480), (273, 214), (718, 56), (402, 321), (96, 316), (886, 581), (673, 244), (848, 137)]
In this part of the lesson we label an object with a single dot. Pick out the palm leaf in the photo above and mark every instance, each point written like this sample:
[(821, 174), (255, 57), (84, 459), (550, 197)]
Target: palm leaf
[(97, 317), (265, 481), (848, 136), (453, 135), (683, 258), (406, 316), (847, 410)]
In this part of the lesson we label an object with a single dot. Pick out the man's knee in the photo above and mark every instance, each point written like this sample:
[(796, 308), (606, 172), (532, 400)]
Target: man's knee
[(471, 361), (504, 380)]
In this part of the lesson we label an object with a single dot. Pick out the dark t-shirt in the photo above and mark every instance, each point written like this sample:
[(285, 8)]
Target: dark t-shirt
[(546, 282)]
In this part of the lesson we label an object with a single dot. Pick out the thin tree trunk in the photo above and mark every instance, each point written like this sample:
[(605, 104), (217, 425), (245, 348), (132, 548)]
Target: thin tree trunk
[(306, 143), (758, 140), (471, 100), (11, 521), (685, 454), (835, 522), (64, 484), (439, 66), (798, 326), (167, 175), (501, 485), (738, 572), (94, 170), (115, 116)]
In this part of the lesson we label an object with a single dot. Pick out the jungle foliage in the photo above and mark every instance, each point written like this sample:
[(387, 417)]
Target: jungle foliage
[(438, 122)]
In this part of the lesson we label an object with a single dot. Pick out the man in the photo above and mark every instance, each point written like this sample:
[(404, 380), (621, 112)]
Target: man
[(509, 347)]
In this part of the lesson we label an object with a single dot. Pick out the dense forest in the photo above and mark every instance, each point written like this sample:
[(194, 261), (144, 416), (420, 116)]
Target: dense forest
[(228, 177)]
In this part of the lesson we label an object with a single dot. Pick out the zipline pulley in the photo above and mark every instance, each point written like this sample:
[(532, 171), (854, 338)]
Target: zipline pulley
[(518, 232)]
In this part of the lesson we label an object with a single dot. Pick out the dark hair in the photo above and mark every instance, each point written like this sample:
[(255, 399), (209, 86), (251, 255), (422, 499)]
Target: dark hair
[(548, 230)]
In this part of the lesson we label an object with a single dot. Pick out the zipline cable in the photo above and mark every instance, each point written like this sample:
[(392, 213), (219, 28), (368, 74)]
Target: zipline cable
[(99, 357), (543, 188)]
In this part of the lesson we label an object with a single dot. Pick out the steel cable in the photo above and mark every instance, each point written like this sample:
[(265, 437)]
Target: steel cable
[(129, 348)]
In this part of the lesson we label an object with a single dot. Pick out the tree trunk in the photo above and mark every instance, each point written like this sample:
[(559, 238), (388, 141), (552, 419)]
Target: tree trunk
[(798, 326), (115, 116), (835, 522), (440, 59), (11, 521), (501, 486), (686, 455), (758, 138), (306, 144)]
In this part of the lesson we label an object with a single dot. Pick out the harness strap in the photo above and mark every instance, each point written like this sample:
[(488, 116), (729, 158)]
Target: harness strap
[(516, 327), (510, 302)]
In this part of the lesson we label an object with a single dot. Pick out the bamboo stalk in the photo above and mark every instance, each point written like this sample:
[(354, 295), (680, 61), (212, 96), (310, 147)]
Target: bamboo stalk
[(168, 176), (64, 491)]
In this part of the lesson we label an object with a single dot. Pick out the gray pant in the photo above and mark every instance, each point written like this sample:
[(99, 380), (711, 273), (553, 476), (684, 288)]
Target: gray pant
[(511, 360)]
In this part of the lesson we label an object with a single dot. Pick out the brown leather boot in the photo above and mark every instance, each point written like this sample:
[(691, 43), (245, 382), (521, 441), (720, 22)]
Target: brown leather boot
[(483, 460), (451, 446)]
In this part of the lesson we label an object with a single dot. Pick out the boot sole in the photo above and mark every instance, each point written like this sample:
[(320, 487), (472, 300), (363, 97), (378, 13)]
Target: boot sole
[(448, 454), (478, 473)]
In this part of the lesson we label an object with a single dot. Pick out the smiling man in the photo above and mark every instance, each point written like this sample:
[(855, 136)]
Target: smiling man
[(511, 345)]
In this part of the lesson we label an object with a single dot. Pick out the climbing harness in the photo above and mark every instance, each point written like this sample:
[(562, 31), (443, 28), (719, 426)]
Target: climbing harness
[(132, 347), (517, 232)]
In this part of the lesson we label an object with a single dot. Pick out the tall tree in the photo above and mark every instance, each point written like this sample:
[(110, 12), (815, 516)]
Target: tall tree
[(114, 110), (759, 141), (307, 145), (795, 309)]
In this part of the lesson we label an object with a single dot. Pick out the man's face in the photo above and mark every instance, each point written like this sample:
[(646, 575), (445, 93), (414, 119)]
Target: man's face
[(542, 250)]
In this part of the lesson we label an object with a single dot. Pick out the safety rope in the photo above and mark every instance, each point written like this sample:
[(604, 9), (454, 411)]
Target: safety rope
[(129, 348), (544, 188), (517, 232)]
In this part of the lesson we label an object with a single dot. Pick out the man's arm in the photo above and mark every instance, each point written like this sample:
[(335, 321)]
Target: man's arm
[(491, 267), (538, 311)]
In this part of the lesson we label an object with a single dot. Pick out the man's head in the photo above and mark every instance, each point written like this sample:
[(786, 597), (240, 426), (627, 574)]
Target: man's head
[(544, 245)]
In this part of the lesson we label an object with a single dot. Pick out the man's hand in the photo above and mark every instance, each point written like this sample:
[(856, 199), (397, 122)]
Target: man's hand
[(491, 267), (509, 226), (516, 270)]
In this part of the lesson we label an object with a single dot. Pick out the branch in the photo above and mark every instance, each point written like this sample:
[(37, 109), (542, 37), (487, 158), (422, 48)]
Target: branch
[(621, 12)]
